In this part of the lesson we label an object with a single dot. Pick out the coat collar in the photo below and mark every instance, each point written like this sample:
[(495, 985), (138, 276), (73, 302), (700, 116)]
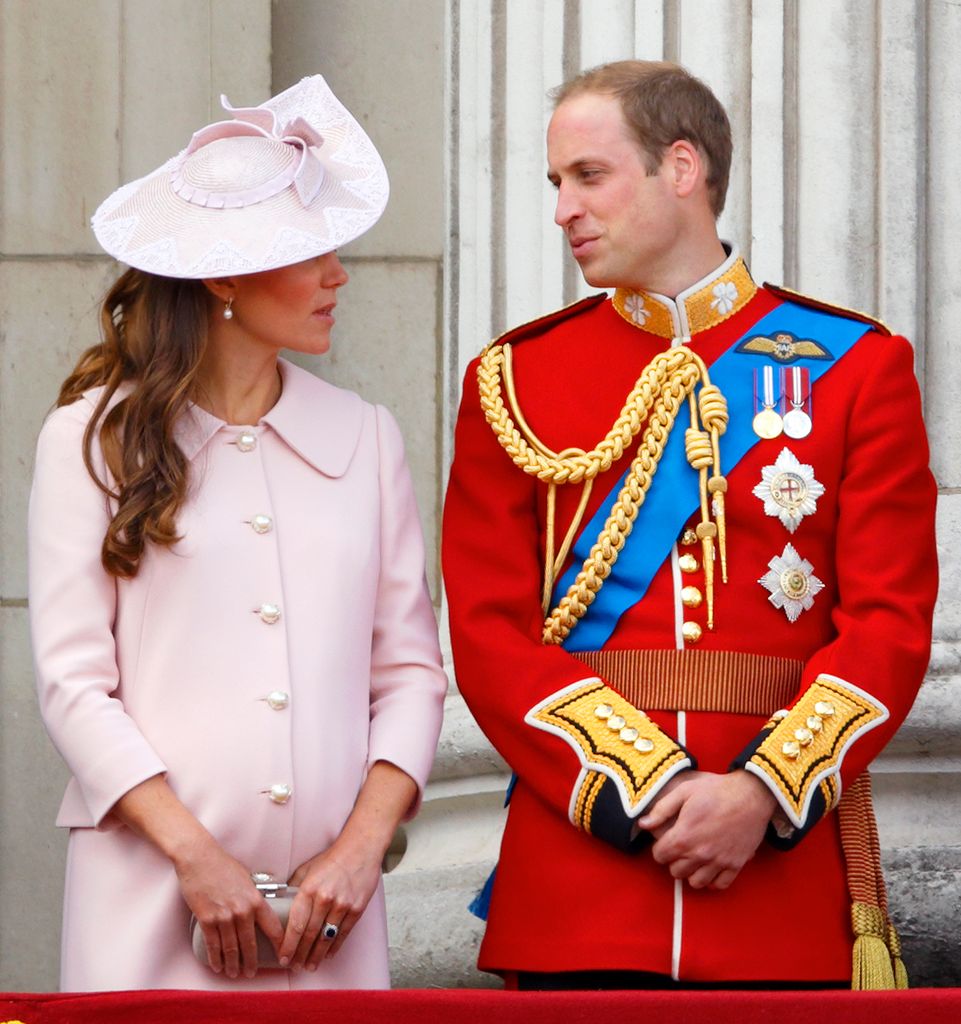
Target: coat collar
[(705, 304), (322, 423)]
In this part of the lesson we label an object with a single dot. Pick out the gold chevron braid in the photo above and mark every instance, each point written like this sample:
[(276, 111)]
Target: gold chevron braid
[(667, 381)]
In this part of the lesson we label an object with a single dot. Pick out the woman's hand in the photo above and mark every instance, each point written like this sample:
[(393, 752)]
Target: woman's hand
[(333, 891), (337, 884), (219, 891), (216, 887)]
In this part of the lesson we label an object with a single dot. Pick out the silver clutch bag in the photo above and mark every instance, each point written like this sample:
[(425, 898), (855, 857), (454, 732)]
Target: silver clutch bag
[(280, 898)]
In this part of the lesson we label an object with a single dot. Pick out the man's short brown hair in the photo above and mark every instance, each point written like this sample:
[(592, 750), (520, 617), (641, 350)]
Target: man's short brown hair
[(662, 103)]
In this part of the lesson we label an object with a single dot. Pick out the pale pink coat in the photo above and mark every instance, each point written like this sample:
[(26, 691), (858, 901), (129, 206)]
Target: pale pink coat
[(168, 672)]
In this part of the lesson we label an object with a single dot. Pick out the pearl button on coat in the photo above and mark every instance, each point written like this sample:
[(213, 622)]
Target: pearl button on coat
[(168, 672)]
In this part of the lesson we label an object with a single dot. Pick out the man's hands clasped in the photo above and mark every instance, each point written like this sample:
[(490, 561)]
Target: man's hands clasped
[(707, 826)]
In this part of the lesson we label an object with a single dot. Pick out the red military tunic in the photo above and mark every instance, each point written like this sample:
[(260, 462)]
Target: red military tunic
[(574, 889)]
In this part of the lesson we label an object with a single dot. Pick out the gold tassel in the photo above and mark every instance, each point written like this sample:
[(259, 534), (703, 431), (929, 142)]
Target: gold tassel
[(894, 947), (872, 960)]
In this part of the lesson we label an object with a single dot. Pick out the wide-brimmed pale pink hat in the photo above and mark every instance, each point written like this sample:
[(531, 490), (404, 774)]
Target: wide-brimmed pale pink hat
[(280, 183)]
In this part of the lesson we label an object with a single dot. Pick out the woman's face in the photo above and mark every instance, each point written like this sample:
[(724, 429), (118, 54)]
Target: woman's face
[(290, 307)]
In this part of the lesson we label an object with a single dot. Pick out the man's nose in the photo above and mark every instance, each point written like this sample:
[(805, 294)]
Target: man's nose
[(568, 208)]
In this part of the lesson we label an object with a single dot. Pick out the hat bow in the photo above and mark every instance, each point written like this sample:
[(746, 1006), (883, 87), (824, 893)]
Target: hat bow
[(305, 172)]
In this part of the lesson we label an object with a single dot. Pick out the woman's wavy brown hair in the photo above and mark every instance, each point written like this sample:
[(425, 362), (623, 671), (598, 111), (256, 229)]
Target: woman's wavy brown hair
[(154, 336)]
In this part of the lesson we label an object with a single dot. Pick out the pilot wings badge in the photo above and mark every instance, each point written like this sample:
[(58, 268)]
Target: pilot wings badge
[(784, 347)]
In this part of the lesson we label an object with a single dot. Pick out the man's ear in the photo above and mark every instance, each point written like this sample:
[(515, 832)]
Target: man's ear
[(687, 167)]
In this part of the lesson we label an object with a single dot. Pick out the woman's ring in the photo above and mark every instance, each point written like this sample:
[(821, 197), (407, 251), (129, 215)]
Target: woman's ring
[(329, 931)]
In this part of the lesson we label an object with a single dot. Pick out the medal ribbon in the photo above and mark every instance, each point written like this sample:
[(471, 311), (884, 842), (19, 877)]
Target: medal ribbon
[(673, 497), (797, 386)]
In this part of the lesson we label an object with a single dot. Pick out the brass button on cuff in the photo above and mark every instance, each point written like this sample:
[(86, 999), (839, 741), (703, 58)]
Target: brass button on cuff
[(618, 724), (804, 736)]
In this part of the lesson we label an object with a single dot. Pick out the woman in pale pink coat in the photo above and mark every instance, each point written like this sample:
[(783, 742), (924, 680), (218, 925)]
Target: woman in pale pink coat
[(235, 647)]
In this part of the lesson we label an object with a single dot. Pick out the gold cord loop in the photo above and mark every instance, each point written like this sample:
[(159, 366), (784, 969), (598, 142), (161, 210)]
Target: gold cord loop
[(697, 444), (655, 400), (714, 416)]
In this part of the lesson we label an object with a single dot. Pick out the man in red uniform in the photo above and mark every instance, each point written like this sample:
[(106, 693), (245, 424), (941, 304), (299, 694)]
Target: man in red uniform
[(690, 564)]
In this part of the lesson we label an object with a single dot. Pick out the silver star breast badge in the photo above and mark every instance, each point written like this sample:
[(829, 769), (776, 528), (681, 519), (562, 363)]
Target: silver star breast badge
[(789, 490), (791, 583)]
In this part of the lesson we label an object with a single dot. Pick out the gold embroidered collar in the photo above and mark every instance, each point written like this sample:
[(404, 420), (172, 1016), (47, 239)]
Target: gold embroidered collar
[(705, 304)]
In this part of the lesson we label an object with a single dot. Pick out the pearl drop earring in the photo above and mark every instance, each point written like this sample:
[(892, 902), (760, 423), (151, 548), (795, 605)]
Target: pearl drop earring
[(228, 312)]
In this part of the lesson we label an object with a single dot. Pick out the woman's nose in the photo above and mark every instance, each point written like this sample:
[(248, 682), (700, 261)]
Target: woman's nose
[(333, 274)]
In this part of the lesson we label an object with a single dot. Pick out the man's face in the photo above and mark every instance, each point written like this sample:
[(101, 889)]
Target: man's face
[(621, 222)]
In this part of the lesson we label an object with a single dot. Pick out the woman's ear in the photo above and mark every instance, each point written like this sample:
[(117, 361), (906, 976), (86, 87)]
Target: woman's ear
[(222, 288)]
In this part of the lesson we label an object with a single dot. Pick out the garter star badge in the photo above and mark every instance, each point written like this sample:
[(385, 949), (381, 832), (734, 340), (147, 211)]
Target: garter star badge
[(789, 490), (791, 582)]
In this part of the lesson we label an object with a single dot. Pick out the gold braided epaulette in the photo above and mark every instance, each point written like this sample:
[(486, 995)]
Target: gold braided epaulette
[(789, 295), (533, 328)]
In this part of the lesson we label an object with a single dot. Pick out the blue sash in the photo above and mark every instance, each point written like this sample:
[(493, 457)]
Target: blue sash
[(674, 494)]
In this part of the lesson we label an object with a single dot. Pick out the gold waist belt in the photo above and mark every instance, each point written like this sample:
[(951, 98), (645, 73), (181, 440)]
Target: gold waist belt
[(698, 680)]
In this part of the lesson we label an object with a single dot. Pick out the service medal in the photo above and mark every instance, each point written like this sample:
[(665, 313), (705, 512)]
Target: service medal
[(767, 423), (795, 386), (797, 424)]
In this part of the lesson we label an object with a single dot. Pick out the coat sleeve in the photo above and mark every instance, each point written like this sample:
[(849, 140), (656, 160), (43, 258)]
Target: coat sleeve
[(857, 689), (408, 683), (73, 602), (583, 748)]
